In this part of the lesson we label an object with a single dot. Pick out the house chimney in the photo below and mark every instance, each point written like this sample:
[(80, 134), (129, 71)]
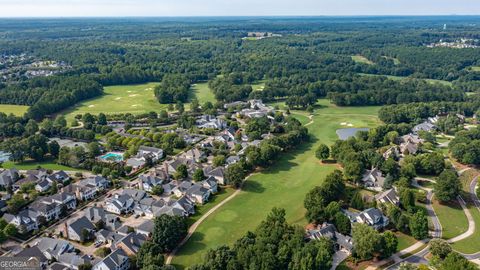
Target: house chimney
[(166, 168), (65, 230), (140, 183)]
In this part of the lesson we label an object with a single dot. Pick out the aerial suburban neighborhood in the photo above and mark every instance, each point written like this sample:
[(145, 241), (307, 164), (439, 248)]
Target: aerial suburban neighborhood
[(239, 142)]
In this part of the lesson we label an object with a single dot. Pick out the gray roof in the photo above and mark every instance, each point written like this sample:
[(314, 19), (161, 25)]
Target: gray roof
[(54, 247), (80, 224), (133, 241), (146, 226), (32, 252), (150, 149), (115, 259)]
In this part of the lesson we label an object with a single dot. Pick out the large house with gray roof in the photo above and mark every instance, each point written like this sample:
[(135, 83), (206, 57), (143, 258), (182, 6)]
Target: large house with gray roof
[(117, 260)]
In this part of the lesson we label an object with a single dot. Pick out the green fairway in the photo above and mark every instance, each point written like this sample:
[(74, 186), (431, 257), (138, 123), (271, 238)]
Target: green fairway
[(17, 110), (474, 68), (133, 99), (470, 244), (203, 93), (400, 78), (32, 165), (283, 185), (361, 59), (453, 220)]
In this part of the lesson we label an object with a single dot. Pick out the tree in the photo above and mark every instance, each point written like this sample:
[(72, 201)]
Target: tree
[(85, 266), (54, 148), (455, 261), (219, 160), (85, 235), (342, 223), (16, 203), (448, 186), (440, 248), (157, 190), (169, 231), (314, 255), (31, 127), (235, 174), (145, 252), (419, 225), (407, 198), (102, 252), (102, 119), (366, 241), (198, 175), (182, 172), (10, 230), (390, 243), (407, 266), (322, 152), (357, 201)]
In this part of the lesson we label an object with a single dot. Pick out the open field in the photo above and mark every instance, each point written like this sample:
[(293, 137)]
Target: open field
[(259, 85), (283, 185), (361, 59), (134, 99), (31, 165), (400, 78), (404, 241), (17, 110), (451, 216), (215, 199), (395, 60), (474, 68), (203, 93)]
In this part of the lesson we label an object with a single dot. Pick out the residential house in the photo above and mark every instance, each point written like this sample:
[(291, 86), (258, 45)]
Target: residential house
[(43, 185), (148, 181), (9, 177), (235, 104), (131, 243), (65, 198), (425, 126), (392, 152), (83, 191), (145, 228), (60, 177), (182, 188), (198, 194), (119, 204), (46, 207), (232, 160), (210, 121), (152, 152), (218, 173), (195, 155), (388, 196), (73, 261), (372, 217), (211, 184), (74, 230), (373, 179), (53, 248), (25, 220), (326, 230), (99, 182), (95, 214), (117, 260), (33, 253)]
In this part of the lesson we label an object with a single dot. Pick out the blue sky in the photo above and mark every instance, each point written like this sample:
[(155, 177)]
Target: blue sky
[(82, 8)]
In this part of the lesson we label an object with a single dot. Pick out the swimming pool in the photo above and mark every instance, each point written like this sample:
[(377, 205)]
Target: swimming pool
[(112, 156)]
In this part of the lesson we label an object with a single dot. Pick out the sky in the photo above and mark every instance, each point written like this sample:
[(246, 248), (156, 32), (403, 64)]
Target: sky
[(121, 8)]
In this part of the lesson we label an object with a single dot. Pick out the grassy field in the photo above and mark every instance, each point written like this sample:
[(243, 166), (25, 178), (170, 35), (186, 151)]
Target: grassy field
[(17, 110), (453, 220), (283, 185), (361, 59), (133, 99), (471, 244), (31, 165), (404, 241), (259, 86), (400, 78), (474, 68), (203, 93)]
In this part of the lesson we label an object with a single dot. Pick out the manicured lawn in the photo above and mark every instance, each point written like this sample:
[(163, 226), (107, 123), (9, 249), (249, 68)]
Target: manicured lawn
[(133, 99), (400, 78), (17, 110), (31, 165), (404, 241), (203, 93), (471, 244), (259, 86), (214, 200), (453, 220), (361, 59), (475, 68), (283, 185)]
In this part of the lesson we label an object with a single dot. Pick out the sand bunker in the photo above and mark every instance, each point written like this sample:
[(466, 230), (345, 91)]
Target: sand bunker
[(135, 105), (91, 106), (118, 98), (134, 95), (350, 125), (343, 124)]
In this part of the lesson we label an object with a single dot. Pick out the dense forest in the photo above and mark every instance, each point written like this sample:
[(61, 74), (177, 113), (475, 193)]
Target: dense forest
[(313, 58)]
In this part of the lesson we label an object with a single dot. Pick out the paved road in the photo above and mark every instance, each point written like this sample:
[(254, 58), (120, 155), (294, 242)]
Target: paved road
[(471, 223), (473, 184)]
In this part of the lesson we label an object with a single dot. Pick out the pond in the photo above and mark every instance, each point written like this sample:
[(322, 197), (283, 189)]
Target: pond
[(345, 133)]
